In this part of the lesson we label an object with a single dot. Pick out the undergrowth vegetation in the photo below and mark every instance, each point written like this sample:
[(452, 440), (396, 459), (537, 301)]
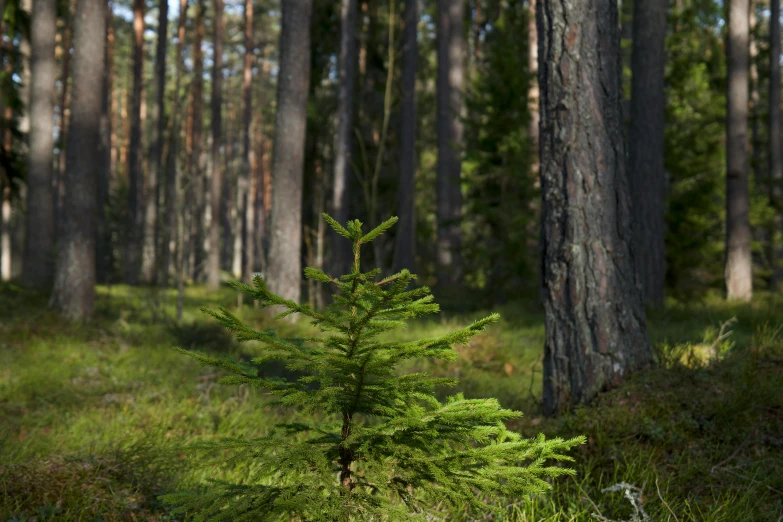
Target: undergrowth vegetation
[(93, 418)]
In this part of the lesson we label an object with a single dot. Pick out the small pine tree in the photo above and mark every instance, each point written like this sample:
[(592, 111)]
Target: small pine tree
[(389, 450)]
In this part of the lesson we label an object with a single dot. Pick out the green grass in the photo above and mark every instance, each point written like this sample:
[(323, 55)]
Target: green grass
[(92, 417)]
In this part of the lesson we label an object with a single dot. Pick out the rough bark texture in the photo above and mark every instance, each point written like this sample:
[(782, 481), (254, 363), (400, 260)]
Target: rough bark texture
[(103, 238), (213, 256), (135, 223), (775, 160), (74, 287), (340, 249), (405, 243), (595, 319), (646, 147), (285, 261), (738, 271), (156, 171), (168, 244), (39, 245), (449, 85)]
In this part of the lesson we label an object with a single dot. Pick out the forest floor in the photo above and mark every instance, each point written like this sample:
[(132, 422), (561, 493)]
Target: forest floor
[(92, 417)]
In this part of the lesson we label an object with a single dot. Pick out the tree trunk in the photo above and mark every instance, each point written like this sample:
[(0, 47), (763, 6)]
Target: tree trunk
[(74, 287), (168, 245), (213, 257), (533, 90), (196, 170), (450, 80), (151, 244), (103, 238), (595, 319), (5, 234), (738, 272), (62, 123), (243, 233), (775, 161), (39, 245), (646, 147), (341, 198), (405, 242), (135, 230), (285, 259)]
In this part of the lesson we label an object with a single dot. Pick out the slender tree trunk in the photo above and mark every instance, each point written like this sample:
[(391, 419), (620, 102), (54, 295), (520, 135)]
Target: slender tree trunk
[(775, 161), (172, 226), (243, 228), (103, 238), (646, 147), (5, 234), (285, 261), (149, 267), (341, 251), (135, 225), (74, 287), (197, 170), (450, 80), (39, 245), (213, 258), (533, 90), (738, 272), (595, 319), (405, 247)]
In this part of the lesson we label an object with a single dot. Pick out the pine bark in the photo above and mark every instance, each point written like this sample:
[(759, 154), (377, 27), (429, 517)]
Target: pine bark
[(64, 115), (595, 318), (341, 195), (135, 224), (775, 160), (285, 261), (405, 242), (646, 147), (74, 287), (156, 168), (39, 246), (738, 270), (213, 257), (449, 85), (197, 170)]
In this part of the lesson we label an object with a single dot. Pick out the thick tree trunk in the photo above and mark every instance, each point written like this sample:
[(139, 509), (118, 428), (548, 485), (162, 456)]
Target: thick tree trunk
[(340, 249), (74, 287), (738, 272), (405, 243), (149, 268), (39, 245), (285, 257), (646, 147), (173, 225), (213, 257), (595, 319), (103, 238), (64, 115), (135, 230), (775, 161), (450, 82)]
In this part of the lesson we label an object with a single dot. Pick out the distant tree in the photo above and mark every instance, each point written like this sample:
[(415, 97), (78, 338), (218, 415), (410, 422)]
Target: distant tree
[(194, 143), (74, 286), (595, 318), (103, 254), (449, 84), (775, 160), (646, 146), (288, 155), (341, 255), (39, 245), (215, 194), (135, 223), (738, 271), (405, 242), (149, 267)]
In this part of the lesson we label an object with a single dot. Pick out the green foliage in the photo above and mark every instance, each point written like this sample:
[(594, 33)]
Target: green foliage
[(386, 448)]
